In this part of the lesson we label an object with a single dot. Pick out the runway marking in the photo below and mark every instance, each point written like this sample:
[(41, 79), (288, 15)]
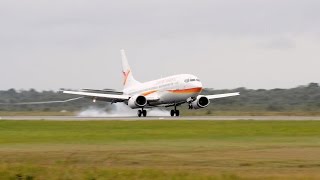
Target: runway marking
[(207, 118)]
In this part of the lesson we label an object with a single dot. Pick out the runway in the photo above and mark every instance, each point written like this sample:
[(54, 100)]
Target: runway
[(192, 118)]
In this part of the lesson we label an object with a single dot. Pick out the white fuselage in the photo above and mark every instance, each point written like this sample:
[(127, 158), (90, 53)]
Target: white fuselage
[(172, 89), (165, 92)]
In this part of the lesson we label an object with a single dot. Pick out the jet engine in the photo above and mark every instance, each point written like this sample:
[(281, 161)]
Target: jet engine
[(200, 102), (137, 101)]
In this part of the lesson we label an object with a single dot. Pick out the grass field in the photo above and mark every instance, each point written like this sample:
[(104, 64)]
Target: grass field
[(159, 150)]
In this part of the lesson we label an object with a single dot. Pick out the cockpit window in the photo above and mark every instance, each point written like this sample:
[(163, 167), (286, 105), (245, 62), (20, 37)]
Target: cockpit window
[(190, 80)]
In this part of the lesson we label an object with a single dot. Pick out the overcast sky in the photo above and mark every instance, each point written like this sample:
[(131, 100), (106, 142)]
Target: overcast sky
[(52, 44)]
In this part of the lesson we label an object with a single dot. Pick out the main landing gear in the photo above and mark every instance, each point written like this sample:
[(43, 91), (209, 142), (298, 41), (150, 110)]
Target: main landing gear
[(175, 111), (142, 113)]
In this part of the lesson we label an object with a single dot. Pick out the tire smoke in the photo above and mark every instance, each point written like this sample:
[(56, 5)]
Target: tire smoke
[(118, 110)]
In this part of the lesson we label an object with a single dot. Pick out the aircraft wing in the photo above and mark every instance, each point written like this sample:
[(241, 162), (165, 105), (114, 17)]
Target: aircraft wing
[(106, 91), (100, 96), (217, 96), (211, 97), (42, 102)]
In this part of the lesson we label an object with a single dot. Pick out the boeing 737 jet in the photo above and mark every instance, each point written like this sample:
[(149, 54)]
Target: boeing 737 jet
[(170, 91)]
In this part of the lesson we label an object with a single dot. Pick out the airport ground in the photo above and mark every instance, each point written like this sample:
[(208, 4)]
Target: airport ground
[(184, 112), (160, 149)]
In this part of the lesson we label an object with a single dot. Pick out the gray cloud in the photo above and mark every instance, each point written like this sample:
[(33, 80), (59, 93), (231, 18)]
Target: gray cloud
[(278, 43), (52, 44)]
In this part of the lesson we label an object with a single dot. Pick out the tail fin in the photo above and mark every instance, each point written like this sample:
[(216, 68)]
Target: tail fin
[(127, 73)]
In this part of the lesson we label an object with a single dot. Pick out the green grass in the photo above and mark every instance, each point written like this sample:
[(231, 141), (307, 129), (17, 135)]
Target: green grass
[(160, 149)]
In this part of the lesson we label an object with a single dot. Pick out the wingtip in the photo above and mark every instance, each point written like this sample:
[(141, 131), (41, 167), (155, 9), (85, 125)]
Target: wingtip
[(61, 90)]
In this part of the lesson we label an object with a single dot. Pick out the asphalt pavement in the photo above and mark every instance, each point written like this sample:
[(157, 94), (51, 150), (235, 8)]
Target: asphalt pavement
[(133, 118)]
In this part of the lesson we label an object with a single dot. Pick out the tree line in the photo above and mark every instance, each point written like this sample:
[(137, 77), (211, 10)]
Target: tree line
[(301, 98)]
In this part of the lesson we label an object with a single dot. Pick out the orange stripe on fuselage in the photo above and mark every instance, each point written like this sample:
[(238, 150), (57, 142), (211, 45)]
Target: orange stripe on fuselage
[(186, 91), (180, 91), (148, 92)]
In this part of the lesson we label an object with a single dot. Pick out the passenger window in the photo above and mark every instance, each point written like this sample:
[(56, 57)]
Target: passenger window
[(186, 81)]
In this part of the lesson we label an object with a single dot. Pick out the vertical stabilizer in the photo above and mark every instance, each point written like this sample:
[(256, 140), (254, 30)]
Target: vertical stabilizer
[(128, 79)]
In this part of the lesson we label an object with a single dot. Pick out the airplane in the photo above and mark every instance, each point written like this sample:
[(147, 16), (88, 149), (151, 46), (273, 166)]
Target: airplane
[(171, 91)]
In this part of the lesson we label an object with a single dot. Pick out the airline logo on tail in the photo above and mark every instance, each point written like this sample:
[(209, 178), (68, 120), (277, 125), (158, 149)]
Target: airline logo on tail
[(125, 76)]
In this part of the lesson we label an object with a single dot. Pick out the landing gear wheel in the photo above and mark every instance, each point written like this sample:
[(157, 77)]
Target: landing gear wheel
[(177, 113), (172, 112), (139, 113), (144, 113)]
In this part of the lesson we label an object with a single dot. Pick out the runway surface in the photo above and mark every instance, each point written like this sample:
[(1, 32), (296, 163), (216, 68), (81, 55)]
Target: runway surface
[(209, 118)]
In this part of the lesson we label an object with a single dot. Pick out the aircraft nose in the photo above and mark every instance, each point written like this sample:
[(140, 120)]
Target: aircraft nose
[(197, 84)]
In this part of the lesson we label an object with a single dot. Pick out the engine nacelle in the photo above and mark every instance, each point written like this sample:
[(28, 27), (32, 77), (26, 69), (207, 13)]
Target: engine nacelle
[(200, 102), (137, 101)]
